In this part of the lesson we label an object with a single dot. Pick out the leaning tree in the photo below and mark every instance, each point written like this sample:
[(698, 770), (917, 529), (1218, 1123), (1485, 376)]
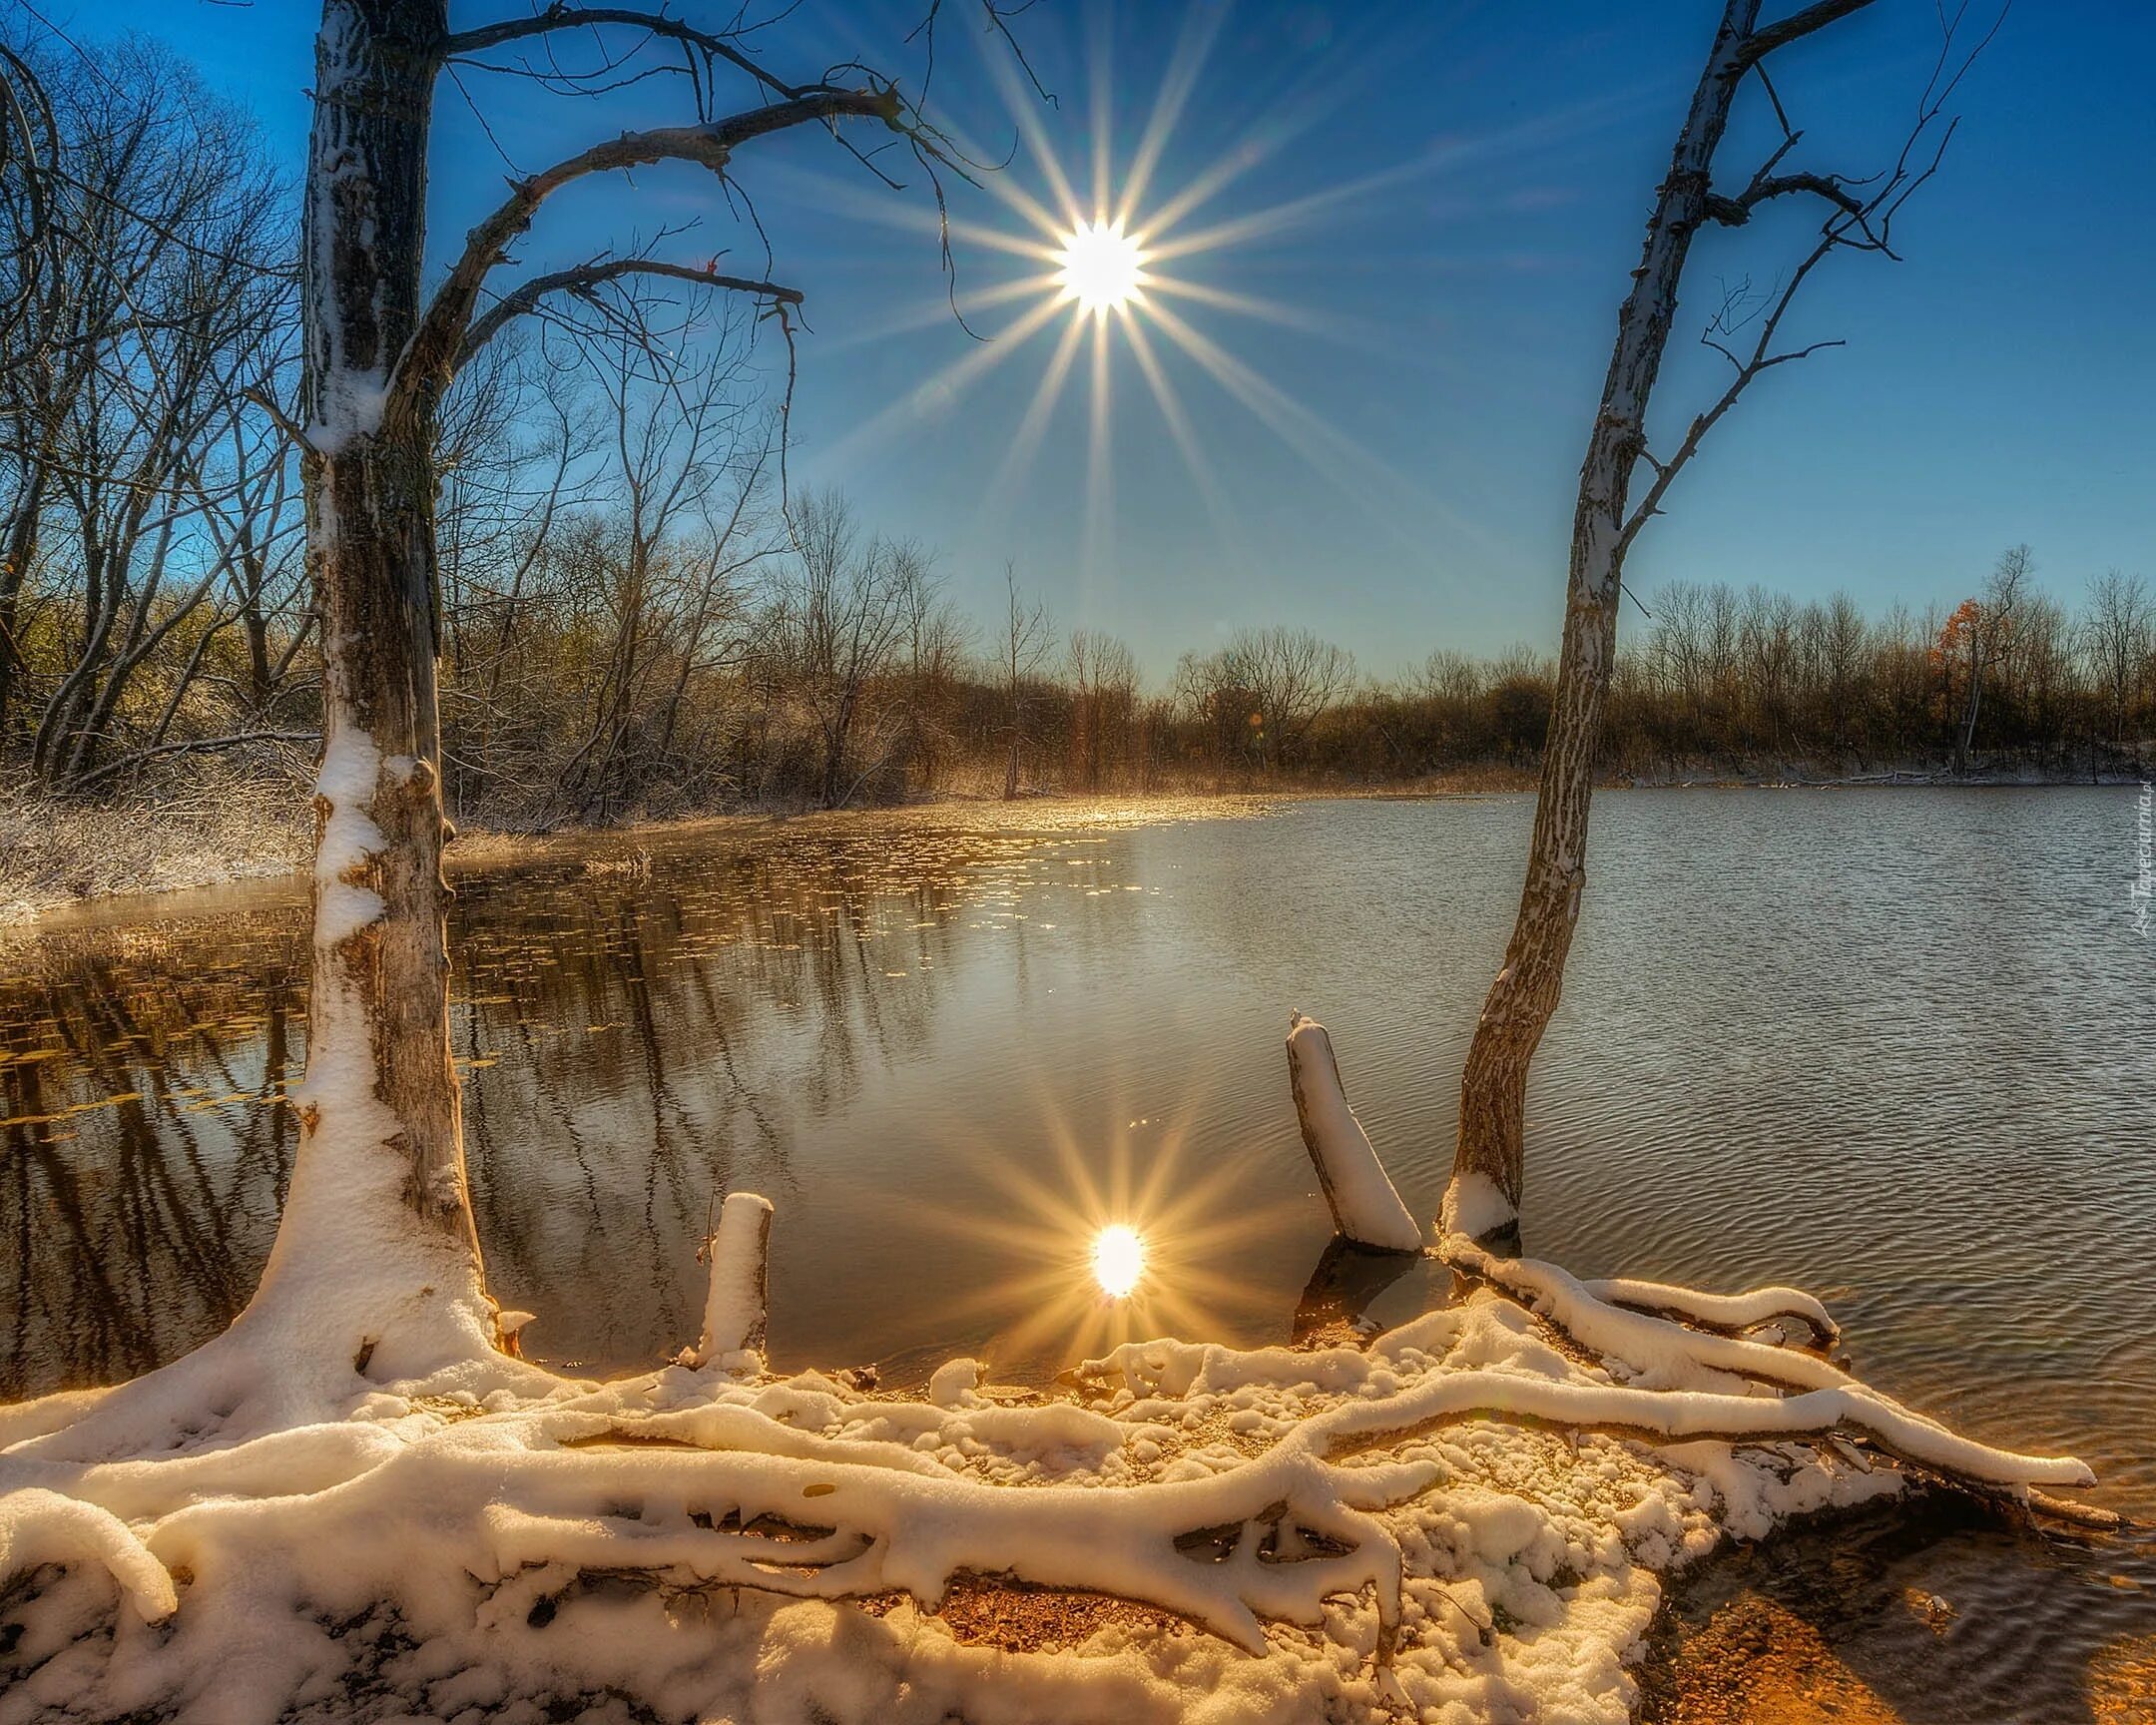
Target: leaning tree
[(376, 1257), (1856, 215)]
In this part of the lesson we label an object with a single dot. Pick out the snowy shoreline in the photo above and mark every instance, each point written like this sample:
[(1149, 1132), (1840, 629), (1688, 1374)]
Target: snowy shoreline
[(1466, 1518)]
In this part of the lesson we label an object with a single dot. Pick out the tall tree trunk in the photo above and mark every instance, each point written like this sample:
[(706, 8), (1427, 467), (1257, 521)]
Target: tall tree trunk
[(17, 550), (379, 1180), (1966, 740), (1484, 1194)]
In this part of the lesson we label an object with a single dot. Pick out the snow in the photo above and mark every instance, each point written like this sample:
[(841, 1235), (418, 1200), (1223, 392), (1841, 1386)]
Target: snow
[(1476, 1206), (1723, 1310), (1457, 1522), (351, 398), (1365, 1207), (735, 1298)]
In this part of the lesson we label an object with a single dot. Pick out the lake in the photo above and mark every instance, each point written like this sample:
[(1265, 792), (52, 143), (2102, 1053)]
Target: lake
[(1895, 1046)]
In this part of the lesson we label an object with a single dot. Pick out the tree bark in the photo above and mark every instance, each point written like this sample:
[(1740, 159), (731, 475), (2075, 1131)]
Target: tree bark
[(380, 1166), (1484, 1194)]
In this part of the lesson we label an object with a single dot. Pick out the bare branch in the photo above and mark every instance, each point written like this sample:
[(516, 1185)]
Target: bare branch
[(441, 337), (559, 16), (1797, 25), (1736, 211), (581, 281)]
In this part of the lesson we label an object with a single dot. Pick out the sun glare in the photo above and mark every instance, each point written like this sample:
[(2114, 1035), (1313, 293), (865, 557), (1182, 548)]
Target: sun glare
[(1111, 258), (1102, 268), (1118, 1260)]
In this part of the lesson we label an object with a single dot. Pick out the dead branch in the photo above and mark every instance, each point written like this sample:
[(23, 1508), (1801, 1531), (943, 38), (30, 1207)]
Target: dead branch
[(1798, 25), (441, 337), (584, 279)]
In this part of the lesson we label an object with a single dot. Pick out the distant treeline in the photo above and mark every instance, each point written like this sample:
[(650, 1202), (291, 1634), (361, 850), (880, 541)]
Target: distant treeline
[(632, 625)]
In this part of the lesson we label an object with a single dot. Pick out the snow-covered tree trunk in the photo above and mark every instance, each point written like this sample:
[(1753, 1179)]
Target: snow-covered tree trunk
[(378, 1199), (1485, 1190)]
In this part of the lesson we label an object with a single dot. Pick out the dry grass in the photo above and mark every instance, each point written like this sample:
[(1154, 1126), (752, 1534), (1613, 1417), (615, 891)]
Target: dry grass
[(54, 853)]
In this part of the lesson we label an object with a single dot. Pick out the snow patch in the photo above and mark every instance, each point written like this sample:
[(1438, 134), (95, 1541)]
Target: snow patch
[(1474, 1205)]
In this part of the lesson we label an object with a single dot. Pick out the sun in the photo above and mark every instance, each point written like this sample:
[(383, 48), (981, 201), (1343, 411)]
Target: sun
[(1101, 266)]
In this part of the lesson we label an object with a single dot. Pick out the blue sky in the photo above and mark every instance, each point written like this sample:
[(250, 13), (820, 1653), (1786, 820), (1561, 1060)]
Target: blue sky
[(1441, 204)]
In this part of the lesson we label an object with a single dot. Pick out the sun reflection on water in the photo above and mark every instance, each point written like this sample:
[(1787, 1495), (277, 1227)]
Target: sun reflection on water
[(1118, 1259)]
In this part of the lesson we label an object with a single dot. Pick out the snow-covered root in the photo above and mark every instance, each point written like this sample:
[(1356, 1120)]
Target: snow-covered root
[(1365, 1207), (1660, 1352), (1327, 1512), (1267, 1544), (1674, 1360), (1732, 1314)]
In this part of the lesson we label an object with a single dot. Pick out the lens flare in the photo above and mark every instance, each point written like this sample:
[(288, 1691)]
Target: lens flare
[(1101, 266), (1118, 1260)]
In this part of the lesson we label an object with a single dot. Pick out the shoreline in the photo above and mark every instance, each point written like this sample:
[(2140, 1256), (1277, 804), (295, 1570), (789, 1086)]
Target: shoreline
[(63, 857)]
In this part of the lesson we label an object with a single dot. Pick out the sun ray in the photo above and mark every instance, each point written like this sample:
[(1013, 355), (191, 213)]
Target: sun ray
[(953, 380), (928, 313), (1102, 58), (857, 203), (1026, 442), (1340, 458), (1045, 395), (1185, 439), (1247, 306), (1446, 156), (1100, 473), (1025, 111), (1200, 29)]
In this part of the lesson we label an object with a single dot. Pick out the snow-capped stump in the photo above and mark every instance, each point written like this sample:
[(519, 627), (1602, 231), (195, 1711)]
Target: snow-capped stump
[(737, 1296), (1365, 1208)]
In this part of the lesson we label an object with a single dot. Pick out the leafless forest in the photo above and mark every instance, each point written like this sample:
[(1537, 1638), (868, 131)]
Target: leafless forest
[(642, 619)]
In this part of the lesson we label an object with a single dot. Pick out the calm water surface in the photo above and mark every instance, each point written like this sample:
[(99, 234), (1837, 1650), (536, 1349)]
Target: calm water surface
[(1896, 1048)]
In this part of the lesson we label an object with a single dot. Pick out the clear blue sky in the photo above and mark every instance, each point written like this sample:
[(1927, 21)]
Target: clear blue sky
[(1443, 203)]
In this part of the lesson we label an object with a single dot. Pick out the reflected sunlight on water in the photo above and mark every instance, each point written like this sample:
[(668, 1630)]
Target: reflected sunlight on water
[(1118, 1259)]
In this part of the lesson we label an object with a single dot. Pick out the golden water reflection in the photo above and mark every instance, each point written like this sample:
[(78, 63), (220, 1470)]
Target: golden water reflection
[(1119, 1256)]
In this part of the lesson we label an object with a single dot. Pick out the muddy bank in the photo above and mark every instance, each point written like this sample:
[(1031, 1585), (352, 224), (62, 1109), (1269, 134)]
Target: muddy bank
[(1928, 1613)]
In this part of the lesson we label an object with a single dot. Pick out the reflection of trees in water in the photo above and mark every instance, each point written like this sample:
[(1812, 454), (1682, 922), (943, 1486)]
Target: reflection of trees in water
[(145, 1148), (657, 1042), (632, 1046)]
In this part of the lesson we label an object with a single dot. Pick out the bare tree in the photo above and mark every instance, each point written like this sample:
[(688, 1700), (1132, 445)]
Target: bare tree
[(1857, 216), (2115, 641), (381, 1160), (938, 642), (843, 619), (1103, 679), (32, 296), (1024, 644), (132, 431), (688, 452), (1978, 635), (1295, 678)]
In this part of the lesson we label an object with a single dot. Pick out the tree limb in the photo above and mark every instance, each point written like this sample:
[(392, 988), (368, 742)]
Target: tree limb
[(585, 276), (1736, 211), (561, 16), (440, 341), (1818, 16)]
